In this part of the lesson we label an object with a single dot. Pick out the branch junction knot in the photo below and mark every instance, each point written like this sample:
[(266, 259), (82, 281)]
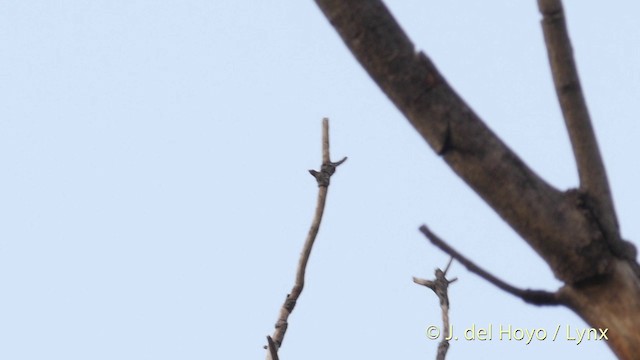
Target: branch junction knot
[(326, 170)]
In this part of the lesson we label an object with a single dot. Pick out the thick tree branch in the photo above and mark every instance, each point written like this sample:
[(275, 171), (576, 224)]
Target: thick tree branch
[(535, 297), (545, 217), (568, 229), (591, 170), (322, 177)]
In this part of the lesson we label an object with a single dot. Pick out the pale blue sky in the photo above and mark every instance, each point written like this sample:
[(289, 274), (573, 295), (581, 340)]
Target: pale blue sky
[(154, 192)]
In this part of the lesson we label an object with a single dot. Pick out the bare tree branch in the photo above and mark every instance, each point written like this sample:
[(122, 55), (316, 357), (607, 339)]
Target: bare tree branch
[(440, 287), (535, 297), (545, 217), (570, 230), (322, 177), (591, 170)]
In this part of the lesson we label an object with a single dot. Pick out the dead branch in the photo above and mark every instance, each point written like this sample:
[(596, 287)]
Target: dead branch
[(440, 287), (535, 297), (323, 176)]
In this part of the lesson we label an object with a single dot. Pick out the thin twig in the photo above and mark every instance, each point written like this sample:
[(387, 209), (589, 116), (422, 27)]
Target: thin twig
[(322, 177), (440, 286), (535, 297), (591, 170), (448, 265)]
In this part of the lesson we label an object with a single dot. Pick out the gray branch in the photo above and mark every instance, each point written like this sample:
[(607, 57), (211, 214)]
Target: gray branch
[(548, 219), (327, 169), (591, 170), (535, 297)]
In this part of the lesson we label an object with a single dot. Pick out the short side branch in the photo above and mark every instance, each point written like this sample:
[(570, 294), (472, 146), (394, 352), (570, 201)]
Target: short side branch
[(328, 168), (591, 170), (535, 297)]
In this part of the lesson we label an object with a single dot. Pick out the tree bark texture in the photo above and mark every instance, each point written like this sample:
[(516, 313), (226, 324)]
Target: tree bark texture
[(563, 227)]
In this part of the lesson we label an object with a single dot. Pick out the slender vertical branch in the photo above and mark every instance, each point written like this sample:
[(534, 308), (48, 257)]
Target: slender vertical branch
[(440, 286), (326, 158), (322, 177), (591, 170)]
